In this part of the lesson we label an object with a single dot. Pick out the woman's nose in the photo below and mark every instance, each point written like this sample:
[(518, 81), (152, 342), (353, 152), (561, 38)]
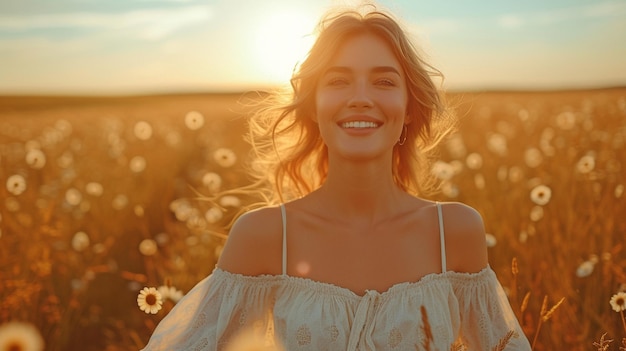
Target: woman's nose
[(360, 96)]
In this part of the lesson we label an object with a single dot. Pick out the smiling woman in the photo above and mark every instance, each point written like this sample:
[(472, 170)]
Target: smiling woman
[(280, 41), (342, 253)]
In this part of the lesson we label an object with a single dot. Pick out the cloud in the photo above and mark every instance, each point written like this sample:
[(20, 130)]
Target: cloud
[(598, 10), (167, 1), (510, 21), (150, 24)]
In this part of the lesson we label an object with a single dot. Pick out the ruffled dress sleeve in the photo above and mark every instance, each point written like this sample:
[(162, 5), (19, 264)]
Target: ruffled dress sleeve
[(487, 320), (216, 309)]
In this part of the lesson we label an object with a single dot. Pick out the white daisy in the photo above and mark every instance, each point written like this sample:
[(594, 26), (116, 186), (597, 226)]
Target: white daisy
[(80, 241), (225, 157), (148, 247), (230, 201), (194, 120), (137, 164), (149, 300), (94, 189), (73, 196), (541, 194), (213, 215), (143, 130), (170, 292), (618, 302), (16, 184), (474, 161), (586, 164), (35, 158), (212, 181), (20, 336), (442, 170), (533, 157)]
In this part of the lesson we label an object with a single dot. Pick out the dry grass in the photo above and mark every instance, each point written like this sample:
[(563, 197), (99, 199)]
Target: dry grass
[(80, 290)]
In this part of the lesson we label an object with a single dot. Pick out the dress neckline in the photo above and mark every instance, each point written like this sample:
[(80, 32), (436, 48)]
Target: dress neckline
[(333, 289)]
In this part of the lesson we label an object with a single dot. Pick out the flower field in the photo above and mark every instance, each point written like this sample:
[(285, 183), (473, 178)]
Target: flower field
[(103, 227)]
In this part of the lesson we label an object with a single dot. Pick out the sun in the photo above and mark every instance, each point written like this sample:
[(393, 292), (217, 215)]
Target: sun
[(281, 40)]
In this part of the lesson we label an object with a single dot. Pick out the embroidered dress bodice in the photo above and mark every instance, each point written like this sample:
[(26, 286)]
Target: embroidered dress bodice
[(464, 311)]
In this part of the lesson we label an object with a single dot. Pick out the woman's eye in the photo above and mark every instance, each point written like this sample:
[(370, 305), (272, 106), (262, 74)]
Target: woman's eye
[(385, 82), (336, 81)]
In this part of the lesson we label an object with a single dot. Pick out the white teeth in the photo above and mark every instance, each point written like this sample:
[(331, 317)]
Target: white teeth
[(359, 124)]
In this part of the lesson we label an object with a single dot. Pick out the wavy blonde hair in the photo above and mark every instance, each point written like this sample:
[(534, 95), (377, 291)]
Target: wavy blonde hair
[(289, 154)]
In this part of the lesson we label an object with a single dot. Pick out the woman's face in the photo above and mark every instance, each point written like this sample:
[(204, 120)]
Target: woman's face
[(361, 100)]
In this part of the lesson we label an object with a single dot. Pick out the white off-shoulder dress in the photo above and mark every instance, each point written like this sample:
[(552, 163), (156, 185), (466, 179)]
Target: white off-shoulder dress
[(465, 311)]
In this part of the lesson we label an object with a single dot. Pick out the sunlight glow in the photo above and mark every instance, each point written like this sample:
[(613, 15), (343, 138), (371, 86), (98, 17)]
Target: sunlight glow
[(282, 40)]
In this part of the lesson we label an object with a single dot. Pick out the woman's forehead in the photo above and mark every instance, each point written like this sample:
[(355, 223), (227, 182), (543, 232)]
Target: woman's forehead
[(365, 51)]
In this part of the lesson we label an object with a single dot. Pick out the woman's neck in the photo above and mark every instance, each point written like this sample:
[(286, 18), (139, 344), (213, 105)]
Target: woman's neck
[(361, 193)]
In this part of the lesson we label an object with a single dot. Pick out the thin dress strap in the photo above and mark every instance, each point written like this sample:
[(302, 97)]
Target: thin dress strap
[(441, 238), (284, 216)]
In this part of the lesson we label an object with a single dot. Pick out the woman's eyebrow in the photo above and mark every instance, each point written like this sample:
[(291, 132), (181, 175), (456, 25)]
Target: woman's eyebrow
[(385, 69), (337, 69), (377, 69)]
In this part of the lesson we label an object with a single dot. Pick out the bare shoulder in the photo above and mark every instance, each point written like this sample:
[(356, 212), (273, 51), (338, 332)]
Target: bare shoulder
[(466, 247), (254, 243)]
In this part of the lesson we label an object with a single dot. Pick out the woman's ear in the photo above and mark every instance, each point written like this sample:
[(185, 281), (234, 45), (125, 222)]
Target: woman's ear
[(408, 119)]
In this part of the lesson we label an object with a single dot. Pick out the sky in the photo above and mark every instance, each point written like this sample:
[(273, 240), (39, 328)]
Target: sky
[(104, 47)]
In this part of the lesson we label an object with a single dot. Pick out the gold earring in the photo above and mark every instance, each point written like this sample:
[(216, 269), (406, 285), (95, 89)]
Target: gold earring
[(405, 131)]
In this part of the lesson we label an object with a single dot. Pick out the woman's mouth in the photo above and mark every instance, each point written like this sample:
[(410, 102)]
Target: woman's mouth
[(359, 124)]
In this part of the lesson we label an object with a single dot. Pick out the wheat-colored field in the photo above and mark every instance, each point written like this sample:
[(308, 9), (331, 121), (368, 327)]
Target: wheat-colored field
[(99, 199)]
